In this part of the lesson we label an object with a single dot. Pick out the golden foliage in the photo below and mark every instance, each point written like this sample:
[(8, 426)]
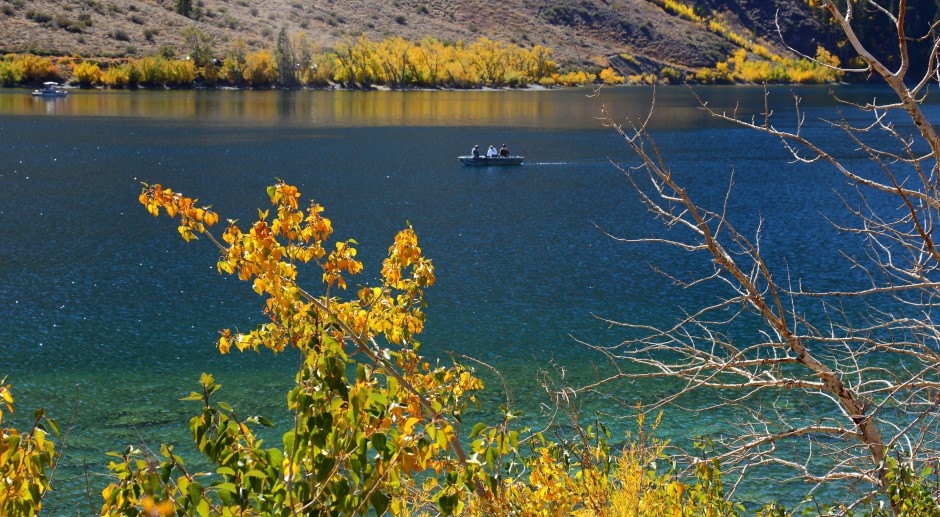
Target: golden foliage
[(610, 77), (740, 66), (87, 73), (24, 458), (387, 416)]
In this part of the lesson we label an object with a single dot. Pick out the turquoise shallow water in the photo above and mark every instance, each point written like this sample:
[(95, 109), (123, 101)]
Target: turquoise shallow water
[(105, 307)]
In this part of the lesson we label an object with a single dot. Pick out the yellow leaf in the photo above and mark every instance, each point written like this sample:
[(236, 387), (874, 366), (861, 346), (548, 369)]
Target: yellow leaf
[(40, 438), (410, 424)]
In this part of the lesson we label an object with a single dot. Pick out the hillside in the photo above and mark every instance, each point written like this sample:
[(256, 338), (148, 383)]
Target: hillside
[(641, 35)]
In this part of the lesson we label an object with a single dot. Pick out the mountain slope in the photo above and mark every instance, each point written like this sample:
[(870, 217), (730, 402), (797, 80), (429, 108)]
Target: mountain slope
[(582, 33)]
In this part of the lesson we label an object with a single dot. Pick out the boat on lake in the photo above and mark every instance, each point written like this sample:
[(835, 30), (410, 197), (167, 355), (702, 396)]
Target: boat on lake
[(492, 161), (50, 89)]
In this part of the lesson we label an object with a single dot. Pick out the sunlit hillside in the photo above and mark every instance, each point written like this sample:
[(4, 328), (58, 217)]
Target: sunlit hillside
[(632, 35)]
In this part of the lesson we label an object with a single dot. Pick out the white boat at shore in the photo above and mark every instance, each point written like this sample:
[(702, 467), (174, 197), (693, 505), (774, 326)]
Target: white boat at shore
[(493, 161), (50, 89)]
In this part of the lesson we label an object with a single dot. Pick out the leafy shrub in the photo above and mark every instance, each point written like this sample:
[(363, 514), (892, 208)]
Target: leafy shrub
[(260, 69), (400, 19), (39, 16), (120, 35), (559, 15), (24, 458), (671, 75), (136, 18), (116, 77), (86, 73), (10, 73), (610, 77), (35, 69)]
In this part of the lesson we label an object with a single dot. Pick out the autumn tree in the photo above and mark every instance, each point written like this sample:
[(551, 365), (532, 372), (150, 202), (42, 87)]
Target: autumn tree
[(430, 57), (233, 67), (394, 59), (853, 372), (260, 69), (540, 63), (362, 426), (488, 57), (305, 53), (86, 73), (353, 61)]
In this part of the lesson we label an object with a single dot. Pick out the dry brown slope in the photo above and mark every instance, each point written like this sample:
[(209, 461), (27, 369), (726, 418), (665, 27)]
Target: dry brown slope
[(580, 32)]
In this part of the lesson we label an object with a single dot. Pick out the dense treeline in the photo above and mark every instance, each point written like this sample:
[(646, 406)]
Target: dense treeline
[(296, 62)]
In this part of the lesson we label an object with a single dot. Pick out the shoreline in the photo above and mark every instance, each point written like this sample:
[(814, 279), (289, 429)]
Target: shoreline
[(382, 88)]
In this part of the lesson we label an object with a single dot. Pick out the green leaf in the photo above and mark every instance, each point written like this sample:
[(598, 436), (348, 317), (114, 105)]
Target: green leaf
[(324, 467), (225, 406), (227, 487), (379, 441), (378, 398), (477, 429), (203, 508), (275, 457), (261, 420), (380, 501), (53, 425)]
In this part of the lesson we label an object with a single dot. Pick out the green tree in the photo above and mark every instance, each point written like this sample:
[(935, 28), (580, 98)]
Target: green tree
[(199, 43), (286, 60)]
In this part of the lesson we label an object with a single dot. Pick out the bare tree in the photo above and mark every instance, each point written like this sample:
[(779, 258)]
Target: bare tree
[(859, 368)]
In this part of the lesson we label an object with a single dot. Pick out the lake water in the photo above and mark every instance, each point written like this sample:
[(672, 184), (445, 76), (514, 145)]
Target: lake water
[(104, 310)]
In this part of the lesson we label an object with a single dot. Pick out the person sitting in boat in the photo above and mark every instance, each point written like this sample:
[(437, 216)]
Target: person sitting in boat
[(503, 151), (476, 151), (492, 152)]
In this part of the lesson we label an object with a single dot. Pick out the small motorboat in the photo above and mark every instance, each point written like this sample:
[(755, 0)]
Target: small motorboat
[(50, 89), (492, 161)]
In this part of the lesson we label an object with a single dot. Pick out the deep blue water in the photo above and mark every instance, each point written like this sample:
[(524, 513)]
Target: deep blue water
[(103, 306)]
